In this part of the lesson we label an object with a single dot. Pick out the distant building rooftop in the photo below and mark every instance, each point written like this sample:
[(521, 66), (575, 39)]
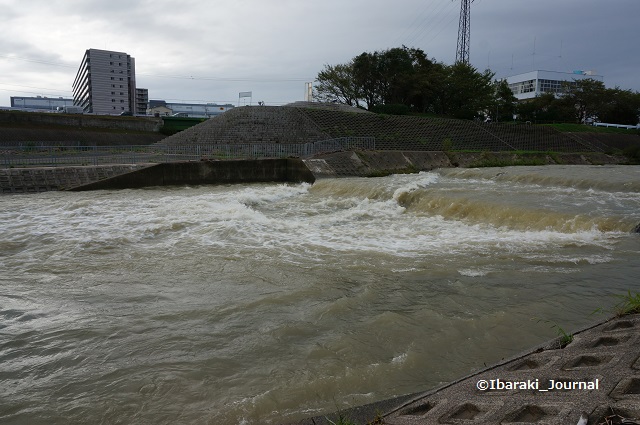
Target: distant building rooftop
[(534, 83), (194, 110), (39, 103)]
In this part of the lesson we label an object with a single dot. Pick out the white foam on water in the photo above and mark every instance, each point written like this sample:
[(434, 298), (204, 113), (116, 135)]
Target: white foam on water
[(255, 196), (473, 272), (407, 270), (399, 359), (423, 179)]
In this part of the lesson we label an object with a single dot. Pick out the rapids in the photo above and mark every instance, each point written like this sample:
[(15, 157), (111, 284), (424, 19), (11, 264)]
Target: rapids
[(269, 303)]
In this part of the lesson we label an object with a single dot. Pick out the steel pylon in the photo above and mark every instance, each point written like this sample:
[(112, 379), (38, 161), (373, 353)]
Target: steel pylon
[(464, 32)]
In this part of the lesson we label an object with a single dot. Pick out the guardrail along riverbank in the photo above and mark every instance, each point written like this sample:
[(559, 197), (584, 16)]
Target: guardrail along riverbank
[(37, 155)]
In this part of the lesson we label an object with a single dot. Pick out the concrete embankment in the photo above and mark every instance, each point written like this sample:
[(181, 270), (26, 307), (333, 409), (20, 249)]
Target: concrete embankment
[(380, 163), (334, 165), (43, 179), (26, 120), (44, 129), (594, 375), (208, 172)]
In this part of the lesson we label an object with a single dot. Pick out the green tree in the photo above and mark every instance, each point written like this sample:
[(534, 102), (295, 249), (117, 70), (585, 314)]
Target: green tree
[(545, 108), (587, 97), (367, 76), (426, 85), (622, 107), (396, 75), (336, 84), (406, 76), (467, 92), (504, 103)]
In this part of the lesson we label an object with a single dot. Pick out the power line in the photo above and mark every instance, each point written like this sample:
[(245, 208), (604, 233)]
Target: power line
[(32, 87), (417, 25), (43, 62), (446, 25), (432, 24), (241, 80), (178, 77)]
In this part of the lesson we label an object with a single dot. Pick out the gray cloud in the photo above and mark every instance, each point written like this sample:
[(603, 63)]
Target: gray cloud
[(273, 46)]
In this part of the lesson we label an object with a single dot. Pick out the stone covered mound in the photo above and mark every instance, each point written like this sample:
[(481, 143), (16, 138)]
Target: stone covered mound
[(308, 122)]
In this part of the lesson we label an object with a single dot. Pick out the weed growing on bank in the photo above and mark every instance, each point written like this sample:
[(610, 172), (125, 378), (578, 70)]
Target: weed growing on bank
[(629, 304), (565, 337)]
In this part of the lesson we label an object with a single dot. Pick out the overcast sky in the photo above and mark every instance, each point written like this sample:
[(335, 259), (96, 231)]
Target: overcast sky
[(209, 51)]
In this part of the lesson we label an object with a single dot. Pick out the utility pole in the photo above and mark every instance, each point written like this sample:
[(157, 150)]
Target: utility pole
[(464, 32)]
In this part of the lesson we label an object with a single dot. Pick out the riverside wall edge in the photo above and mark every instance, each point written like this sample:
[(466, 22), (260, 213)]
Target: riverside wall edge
[(332, 165)]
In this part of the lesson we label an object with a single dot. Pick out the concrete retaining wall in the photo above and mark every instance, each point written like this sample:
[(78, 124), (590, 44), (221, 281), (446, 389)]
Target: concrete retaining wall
[(34, 180), (150, 124), (339, 164), (381, 163), (208, 172)]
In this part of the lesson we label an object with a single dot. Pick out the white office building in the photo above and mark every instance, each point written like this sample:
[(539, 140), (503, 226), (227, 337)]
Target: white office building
[(534, 83), (106, 83)]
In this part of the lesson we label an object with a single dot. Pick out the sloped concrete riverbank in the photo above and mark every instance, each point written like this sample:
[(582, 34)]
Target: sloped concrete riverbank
[(595, 377)]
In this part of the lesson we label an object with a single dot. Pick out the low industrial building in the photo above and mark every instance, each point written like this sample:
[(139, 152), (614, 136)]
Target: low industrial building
[(192, 110), (39, 103), (535, 83)]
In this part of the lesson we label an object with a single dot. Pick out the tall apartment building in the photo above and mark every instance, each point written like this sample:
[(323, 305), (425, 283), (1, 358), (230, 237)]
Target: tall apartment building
[(142, 101), (106, 83)]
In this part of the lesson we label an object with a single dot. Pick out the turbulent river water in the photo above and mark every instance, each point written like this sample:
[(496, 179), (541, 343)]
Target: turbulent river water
[(269, 303)]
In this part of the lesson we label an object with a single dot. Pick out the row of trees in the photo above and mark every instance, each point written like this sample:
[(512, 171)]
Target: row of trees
[(404, 76), (401, 80)]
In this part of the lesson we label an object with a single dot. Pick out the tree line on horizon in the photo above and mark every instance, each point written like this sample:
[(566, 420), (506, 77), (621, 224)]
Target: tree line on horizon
[(404, 80)]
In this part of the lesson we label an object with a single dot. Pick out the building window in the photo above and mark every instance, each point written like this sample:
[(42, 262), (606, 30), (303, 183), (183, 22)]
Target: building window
[(552, 86), (523, 87)]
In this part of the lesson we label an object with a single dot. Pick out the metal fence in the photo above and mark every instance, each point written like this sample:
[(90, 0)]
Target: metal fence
[(32, 155)]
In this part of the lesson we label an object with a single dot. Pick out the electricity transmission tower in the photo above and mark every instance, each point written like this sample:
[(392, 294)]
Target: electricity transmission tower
[(464, 32)]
